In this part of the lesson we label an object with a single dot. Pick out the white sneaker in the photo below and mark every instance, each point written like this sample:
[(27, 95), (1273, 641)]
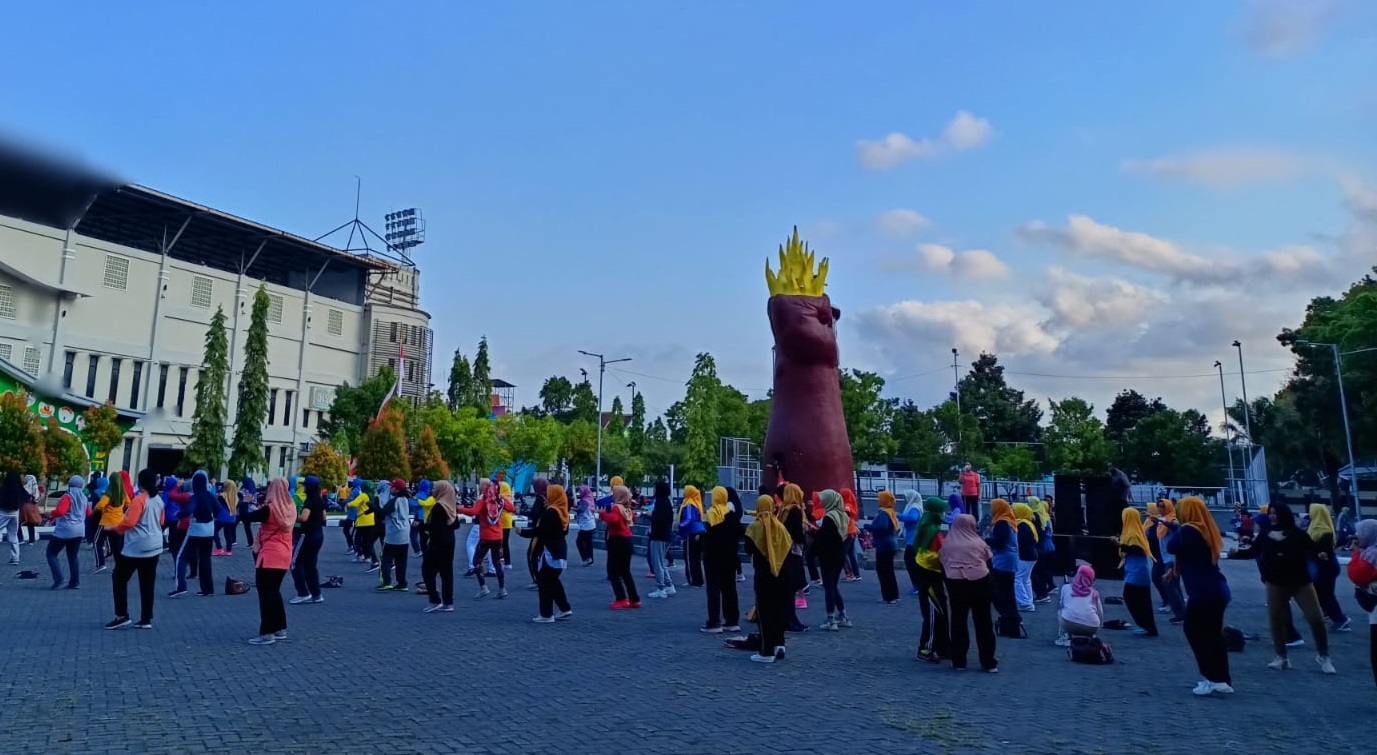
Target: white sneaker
[(320, 599), (1326, 665), (299, 600), (670, 590), (262, 639), (1063, 641), (1220, 688), (1279, 664), (564, 615), (1296, 643), (758, 658), (1203, 688), (656, 594), (543, 620), (485, 592), (279, 636), (432, 608)]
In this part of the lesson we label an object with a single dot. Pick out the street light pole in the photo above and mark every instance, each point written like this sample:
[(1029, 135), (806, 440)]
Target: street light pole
[(1348, 433), (602, 369), (956, 390), (1224, 402), (1247, 426)]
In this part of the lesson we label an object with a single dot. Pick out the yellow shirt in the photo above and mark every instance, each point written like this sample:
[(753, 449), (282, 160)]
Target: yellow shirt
[(426, 504), (109, 515), (507, 516), (364, 519)]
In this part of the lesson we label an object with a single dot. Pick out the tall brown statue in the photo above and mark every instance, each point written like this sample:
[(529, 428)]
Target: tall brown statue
[(806, 442)]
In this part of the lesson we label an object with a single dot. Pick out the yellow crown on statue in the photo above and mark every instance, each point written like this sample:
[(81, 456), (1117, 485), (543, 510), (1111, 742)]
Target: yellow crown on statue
[(796, 275)]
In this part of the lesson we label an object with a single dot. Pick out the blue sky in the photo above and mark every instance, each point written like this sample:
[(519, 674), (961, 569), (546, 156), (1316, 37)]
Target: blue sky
[(619, 171)]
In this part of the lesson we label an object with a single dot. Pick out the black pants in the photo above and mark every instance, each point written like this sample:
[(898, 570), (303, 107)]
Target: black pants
[(229, 528), (306, 570), (109, 541), (884, 571), (438, 563), (272, 614), (486, 547), (346, 528), (912, 567), (33, 536), (584, 542), (367, 540), (972, 598), (810, 560), (533, 552), (795, 579), (693, 560), (849, 556), (394, 557), (724, 608), (1204, 627), (248, 534), (56, 546), (774, 598), (831, 594), (1170, 592), (619, 569), (551, 589), (1372, 649), (506, 546), (196, 553), (972, 503), (1002, 598), (175, 538), (126, 567), (1138, 601), (935, 637), (1324, 591), (1043, 583)]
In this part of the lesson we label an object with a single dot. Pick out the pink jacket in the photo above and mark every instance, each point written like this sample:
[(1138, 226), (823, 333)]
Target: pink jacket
[(274, 544)]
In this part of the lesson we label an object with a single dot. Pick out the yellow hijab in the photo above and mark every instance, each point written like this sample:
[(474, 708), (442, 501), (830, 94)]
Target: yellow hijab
[(1321, 523), (616, 482), (769, 535), (692, 498), (1133, 533), (1167, 512), (717, 513), (230, 494), (1024, 513), (886, 499)]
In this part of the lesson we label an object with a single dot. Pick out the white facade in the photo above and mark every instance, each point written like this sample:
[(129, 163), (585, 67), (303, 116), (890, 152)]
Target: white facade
[(113, 322)]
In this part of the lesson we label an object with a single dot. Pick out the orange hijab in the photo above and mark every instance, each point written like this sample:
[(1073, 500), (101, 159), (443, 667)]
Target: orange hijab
[(1001, 511), (1167, 512), (887, 506), (853, 510), (557, 499), (1196, 516)]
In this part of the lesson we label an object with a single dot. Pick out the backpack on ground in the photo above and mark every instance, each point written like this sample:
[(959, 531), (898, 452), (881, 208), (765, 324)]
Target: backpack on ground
[(235, 586), (1090, 650), (1234, 640)]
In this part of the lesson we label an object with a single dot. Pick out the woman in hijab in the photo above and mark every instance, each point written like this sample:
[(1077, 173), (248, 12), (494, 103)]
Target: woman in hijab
[(934, 641), (830, 546), (1028, 538), (1326, 566), (1285, 554), (619, 519), (913, 513), (69, 529), (1135, 558), (437, 560), (142, 534), (109, 510), (226, 518), (12, 498), (853, 513), (1081, 612), (769, 544), (691, 531), (1043, 583), (272, 557), (965, 562), (310, 538), (661, 533), (200, 537), (1158, 530), (792, 517), (1004, 562), (586, 520), (1362, 572), (1196, 544), (721, 543), (884, 533), (29, 512), (553, 558)]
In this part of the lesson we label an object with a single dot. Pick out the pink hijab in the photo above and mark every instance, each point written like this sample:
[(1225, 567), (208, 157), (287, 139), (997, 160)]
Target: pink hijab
[(964, 554), (1083, 584)]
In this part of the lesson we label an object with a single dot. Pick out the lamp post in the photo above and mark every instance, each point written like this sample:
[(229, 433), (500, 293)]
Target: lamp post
[(602, 368), (1343, 409), (1224, 402), (1247, 425), (956, 390)]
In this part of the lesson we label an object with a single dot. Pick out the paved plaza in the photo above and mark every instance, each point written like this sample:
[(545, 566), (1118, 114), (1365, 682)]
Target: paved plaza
[(369, 673)]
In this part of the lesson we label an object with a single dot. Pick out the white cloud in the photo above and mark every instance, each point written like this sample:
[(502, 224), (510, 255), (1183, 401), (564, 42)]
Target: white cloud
[(901, 222), (1077, 301), (969, 264), (1228, 168), (1285, 28), (971, 326), (1361, 199), (964, 131)]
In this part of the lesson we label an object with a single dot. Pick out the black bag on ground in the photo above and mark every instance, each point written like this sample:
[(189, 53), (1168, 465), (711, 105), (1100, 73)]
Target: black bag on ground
[(1234, 640), (1090, 650), (1011, 627), (333, 582), (235, 586)]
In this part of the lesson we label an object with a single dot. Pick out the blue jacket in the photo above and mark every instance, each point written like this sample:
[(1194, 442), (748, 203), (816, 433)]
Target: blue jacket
[(1004, 545), (910, 518), (202, 506), (690, 523), (883, 533)]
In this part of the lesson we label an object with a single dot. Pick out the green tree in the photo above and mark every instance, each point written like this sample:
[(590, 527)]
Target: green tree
[(102, 432), (481, 390), (531, 439), (1076, 439), (426, 460), (583, 405), (207, 447), (251, 409), (1291, 444), (758, 420), (21, 437), (616, 420), (460, 381), (919, 441), (327, 464), (700, 422), (674, 421), (579, 446), (1173, 449), (557, 397), (382, 455), (963, 439), (1127, 410), (733, 413), (659, 452), (1004, 414), (1014, 462), (636, 432), (62, 453), (354, 408), (867, 417)]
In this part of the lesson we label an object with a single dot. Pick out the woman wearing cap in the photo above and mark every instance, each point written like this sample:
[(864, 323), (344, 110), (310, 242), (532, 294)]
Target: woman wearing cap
[(396, 538)]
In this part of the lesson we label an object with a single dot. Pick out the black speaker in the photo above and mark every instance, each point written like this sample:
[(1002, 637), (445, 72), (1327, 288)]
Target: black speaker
[(1068, 516), (1104, 557), (1102, 513), (1064, 558)]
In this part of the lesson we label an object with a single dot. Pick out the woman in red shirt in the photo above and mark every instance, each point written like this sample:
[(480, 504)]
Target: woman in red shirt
[(487, 512), (272, 558), (619, 518)]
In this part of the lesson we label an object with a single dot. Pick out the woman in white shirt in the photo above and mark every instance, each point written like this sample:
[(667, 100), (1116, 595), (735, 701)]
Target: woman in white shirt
[(1081, 613)]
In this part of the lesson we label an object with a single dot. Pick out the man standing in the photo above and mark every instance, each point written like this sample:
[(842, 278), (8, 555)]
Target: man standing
[(1120, 491), (970, 490)]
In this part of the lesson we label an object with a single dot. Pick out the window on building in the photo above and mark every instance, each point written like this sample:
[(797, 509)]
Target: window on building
[(116, 272), (272, 405), (287, 408), (415, 336), (268, 457), (282, 459), (392, 363), (92, 363), (7, 302), (274, 308), (7, 351), (393, 337), (128, 453), (115, 364), (134, 387), (162, 386), (334, 323), (31, 359), (201, 289), (181, 390), (411, 371), (68, 366), (306, 418)]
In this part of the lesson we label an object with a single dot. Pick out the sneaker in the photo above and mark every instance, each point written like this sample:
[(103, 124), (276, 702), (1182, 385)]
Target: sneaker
[(709, 629), (1220, 688), (483, 593), (670, 590), (318, 599), (432, 608), (502, 593), (1342, 626), (1326, 665), (176, 593), (1280, 663), (280, 635), (1163, 609), (844, 622), (372, 568), (262, 639), (1203, 688), (1140, 632), (101, 570), (657, 594), (758, 658), (300, 599), (927, 655), (891, 602), (385, 588), (634, 604), (731, 628), (119, 622), (564, 615), (1063, 641), (469, 573), (742, 578), (619, 605), (445, 609), (800, 602), (829, 626), (1044, 599), (217, 552), (533, 586), (204, 594), (1296, 643), (543, 620), (143, 625), (992, 670)]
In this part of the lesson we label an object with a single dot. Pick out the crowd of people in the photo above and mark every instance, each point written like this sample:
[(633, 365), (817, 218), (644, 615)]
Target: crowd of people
[(973, 579)]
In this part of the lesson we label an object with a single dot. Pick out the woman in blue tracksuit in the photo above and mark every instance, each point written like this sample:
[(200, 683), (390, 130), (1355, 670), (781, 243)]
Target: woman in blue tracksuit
[(691, 530)]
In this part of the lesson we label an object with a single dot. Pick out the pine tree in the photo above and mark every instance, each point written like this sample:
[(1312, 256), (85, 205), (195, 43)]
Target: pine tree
[(616, 420), (636, 432), (207, 447), (426, 460), (700, 422), (460, 381), (481, 390), (382, 454), (246, 456)]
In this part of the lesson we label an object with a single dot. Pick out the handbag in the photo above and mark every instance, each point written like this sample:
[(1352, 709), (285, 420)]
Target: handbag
[(1366, 600), (235, 586), (30, 515), (1090, 650)]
